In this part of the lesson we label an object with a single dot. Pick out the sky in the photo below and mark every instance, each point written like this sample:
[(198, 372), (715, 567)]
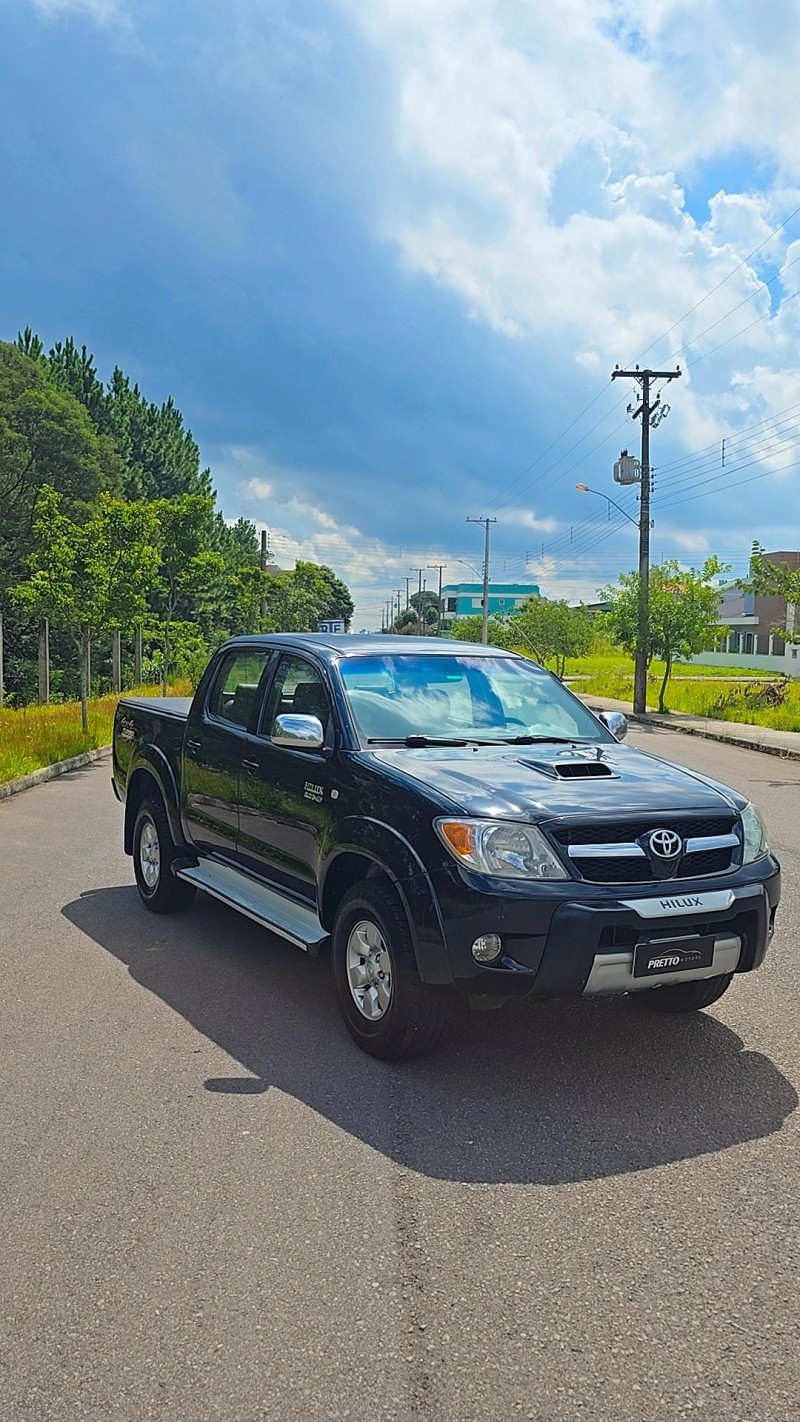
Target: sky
[(385, 257)]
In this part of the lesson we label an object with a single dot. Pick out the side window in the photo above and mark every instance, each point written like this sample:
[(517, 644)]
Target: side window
[(298, 690), (235, 686)]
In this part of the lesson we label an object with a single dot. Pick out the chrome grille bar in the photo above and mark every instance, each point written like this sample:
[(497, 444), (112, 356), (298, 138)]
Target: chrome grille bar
[(700, 845)]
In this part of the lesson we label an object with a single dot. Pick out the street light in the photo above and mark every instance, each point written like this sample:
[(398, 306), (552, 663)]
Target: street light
[(470, 565), (584, 489)]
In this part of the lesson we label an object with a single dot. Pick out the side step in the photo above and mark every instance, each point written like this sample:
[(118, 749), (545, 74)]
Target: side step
[(281, 915)]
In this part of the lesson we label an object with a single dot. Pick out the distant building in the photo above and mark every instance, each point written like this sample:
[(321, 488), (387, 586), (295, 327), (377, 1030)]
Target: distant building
[(750, 618), (466, 599)]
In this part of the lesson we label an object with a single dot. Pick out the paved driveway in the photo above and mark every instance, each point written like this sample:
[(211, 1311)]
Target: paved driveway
[(213, 1206)]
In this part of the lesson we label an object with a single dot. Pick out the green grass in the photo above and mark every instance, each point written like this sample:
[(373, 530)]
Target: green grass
[(41, 735), (724, 695)]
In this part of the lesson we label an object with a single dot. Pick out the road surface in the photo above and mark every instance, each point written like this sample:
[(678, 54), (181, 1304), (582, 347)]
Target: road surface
[(213, 1206)]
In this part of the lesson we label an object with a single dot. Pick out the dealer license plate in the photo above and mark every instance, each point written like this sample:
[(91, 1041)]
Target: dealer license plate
[(655, 956)]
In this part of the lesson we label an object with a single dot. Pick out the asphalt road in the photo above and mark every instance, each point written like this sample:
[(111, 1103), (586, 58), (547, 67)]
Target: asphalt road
[(213, 1206)]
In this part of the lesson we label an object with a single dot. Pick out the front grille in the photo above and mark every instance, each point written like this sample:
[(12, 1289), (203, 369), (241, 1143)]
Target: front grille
[(620, 936), (610, 869), (622, 831)]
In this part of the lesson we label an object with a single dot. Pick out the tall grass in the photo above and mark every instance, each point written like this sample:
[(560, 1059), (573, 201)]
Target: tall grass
[(41, 735), (713, 692)]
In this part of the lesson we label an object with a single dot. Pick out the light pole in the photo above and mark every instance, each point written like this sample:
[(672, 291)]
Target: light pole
[(584, 488)]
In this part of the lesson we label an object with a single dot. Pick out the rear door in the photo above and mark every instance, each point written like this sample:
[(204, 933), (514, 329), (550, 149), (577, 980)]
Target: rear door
[(215, 744), (284, 795)]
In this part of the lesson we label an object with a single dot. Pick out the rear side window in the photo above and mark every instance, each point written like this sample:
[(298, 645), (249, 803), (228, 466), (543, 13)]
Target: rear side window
[(235, 688)]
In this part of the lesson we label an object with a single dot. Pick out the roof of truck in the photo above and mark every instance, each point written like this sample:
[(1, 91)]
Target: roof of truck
[(357, 644)]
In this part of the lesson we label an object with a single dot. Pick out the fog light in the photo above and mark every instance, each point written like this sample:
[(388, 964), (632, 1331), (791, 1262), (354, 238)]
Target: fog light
[(486, 948)]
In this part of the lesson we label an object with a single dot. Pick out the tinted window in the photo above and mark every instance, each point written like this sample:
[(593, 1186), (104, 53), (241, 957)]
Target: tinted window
[(486, 697), (298, 690), (235, 688)]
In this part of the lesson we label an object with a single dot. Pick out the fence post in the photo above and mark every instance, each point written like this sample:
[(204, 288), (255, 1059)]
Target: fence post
[(44, 662), (2, 679), (116, 661), (137, 657), (89, 665)]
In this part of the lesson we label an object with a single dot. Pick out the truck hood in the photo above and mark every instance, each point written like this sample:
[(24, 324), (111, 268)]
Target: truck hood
[(524, 782)]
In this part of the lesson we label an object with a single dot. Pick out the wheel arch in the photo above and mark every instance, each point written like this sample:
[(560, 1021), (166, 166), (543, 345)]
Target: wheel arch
[(151, 776), (372, 850)]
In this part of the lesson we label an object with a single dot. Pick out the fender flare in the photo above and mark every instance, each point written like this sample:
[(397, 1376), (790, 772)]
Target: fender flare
[(398, 860), (153, 763)]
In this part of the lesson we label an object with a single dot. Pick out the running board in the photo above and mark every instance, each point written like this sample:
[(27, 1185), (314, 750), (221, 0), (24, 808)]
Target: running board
[(281, 915)]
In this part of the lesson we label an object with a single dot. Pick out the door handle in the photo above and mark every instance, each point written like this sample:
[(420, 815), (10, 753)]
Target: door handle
[(194, 746), (251, 766)]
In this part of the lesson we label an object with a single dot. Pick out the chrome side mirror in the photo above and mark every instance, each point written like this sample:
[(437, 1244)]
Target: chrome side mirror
[(615, 722), (298, 732)]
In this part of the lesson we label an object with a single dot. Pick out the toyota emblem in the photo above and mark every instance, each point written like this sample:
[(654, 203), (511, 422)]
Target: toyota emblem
[(665, 844)]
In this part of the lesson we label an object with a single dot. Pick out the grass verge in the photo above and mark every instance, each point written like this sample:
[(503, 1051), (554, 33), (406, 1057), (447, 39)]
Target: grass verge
[(41, 735), (708, 691)]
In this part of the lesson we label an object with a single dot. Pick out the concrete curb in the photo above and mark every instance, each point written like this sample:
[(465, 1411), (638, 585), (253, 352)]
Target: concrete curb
[(49, 772), (722, 737)]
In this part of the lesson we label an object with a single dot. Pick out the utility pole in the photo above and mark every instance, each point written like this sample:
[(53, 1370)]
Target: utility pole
[(485, 622), (263, 586), (646, 410), (441, 567), (408, 601), (419, 572)]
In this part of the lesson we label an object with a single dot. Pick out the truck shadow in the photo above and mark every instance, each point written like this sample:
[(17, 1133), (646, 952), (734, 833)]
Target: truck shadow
[(543, 1093)]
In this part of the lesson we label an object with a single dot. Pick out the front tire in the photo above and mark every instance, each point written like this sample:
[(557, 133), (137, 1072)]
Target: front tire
[(686, 997), (153, 852), (386, 1007)]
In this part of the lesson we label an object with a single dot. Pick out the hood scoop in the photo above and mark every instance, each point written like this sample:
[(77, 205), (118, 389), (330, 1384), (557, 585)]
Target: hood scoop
[(573, 768)]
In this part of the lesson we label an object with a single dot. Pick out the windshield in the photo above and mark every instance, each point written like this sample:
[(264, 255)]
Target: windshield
[(461, 697)]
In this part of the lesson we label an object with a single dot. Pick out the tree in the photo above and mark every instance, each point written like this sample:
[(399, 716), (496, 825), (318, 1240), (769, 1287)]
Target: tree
[(242, 582), (338, 604), (92, 577), (189, 568), (161, 456), (421, 614), (469, 629), (769, 579), (45, 437), (553, 630), (683, 608)]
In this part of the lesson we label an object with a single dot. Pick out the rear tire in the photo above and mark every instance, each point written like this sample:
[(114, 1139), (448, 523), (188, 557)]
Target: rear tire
[(386, 1007), (686, 997), (153, 852)]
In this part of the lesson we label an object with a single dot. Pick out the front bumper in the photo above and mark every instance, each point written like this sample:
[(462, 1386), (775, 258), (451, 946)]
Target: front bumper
[(558, 945)]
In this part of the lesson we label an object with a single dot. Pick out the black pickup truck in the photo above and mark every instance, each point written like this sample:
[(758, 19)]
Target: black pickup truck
[(440, 816)]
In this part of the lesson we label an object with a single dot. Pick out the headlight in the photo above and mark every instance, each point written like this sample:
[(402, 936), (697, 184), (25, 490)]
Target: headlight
[(755, 834), (507, 851)]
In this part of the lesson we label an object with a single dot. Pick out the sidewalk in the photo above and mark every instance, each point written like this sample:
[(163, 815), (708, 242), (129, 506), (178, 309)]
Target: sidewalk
[(736, 733)]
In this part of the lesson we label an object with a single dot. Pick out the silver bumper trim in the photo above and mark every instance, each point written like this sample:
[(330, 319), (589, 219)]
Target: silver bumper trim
[(673, 905), (613, 972)]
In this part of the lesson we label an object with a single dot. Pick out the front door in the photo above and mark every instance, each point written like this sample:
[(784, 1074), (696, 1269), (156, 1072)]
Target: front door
[(284, 795), (215, 744)]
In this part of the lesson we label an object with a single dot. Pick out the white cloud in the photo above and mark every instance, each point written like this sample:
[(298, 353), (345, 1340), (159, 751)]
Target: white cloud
[(274, 496), (542, 159)]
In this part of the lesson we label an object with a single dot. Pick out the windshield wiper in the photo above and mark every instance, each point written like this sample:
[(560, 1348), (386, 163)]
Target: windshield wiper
[(417, 742), (543, 740)]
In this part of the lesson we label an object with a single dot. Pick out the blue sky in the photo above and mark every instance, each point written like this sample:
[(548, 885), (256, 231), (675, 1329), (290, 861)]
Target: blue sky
[(383, 256)]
